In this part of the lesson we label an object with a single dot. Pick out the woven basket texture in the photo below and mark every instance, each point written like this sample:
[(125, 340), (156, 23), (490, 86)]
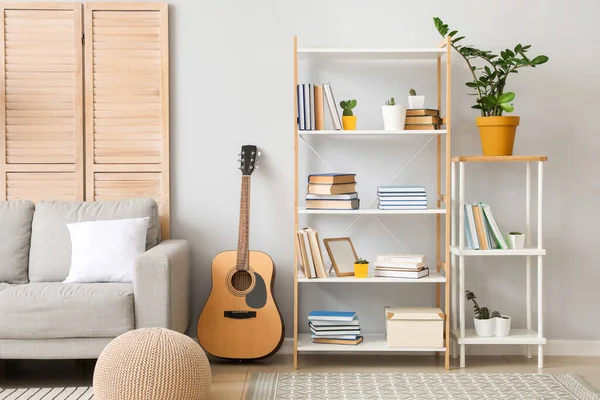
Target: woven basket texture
[(152, 364)]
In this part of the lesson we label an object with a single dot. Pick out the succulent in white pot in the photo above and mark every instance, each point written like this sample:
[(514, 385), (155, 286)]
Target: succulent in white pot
[(488, 324), (516, 240), (502, 324), (394, 115), (415, 102)]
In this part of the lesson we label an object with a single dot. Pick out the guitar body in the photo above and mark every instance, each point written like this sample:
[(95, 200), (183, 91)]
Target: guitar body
[(241, 336)]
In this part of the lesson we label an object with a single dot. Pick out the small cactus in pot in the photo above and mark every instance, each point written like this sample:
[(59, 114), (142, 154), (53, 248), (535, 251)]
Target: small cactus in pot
[(394, 115), (348, 117), (361, 268), (415, 102)]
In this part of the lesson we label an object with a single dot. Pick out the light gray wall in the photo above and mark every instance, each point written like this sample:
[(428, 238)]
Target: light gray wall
[(231, 63)]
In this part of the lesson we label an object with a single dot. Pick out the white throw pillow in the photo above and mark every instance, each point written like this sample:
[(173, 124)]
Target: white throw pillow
[(105, 251)]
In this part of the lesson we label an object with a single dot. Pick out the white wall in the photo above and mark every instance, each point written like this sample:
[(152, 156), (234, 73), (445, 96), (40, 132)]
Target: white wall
[(232, 82)]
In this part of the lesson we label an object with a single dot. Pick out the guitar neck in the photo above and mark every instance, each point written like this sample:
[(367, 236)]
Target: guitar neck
[(244, 229)]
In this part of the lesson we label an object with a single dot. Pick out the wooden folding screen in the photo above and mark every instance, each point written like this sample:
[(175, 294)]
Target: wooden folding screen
[(41, 118), (127, 103)]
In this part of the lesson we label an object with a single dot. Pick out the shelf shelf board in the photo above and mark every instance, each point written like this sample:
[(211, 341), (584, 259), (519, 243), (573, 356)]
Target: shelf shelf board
[(372, 211), (372, 132), (370, 54), (517, 336), (433, 277), (371, 343), (498, 158), (498, 252)]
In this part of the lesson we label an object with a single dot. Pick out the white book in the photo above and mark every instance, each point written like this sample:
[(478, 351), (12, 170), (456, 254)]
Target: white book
[(300, 90), (386, 202), (353, 328), (402, 258), (329, 333), (402, 274), (401, 265), (402, 198), (333, 111), (400, 189), (319, 323), (311, 91), (495, 228), (348, 196), (307, 106), (472, 228), (340, 337), (402, 207), (311, 264)]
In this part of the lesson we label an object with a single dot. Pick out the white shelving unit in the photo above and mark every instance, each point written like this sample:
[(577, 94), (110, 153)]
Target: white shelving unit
[(527, 336), (439, 272)]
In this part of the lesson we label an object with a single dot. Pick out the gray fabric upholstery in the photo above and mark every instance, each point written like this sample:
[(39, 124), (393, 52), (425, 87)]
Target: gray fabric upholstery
[(4, 285), (15, 237), (66, 310), (50, 255), (52, 349), (161, 286)]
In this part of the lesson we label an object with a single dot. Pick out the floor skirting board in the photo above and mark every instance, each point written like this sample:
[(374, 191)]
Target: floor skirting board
[(551, 348)]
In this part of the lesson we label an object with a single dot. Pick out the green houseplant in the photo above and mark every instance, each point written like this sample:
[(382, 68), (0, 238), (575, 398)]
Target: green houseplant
[(516, 240), (348, 117), (361, 268), (394, 115), (488, 324), (490, 73)]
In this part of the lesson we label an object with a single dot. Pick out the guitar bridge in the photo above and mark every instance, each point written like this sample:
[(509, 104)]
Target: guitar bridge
[(240, 314)]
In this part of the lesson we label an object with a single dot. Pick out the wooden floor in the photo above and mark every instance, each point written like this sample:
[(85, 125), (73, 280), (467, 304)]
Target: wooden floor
[(230, 378)]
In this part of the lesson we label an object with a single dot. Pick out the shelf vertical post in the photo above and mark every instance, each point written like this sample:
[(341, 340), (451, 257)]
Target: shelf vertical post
[(461, 259), (453, 229), (447, 194), (528, 244), (540, 264), (438, 188), (295, 202)]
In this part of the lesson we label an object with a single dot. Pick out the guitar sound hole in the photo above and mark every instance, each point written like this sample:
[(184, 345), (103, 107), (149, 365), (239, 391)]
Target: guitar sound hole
[(241, 281)]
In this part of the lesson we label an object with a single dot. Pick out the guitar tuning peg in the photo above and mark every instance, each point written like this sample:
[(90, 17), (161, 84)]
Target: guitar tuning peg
[(239, 154), (258, 154), (253, 153)]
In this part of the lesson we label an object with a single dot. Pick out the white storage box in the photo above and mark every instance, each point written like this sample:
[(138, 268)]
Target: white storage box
[(414, 327)]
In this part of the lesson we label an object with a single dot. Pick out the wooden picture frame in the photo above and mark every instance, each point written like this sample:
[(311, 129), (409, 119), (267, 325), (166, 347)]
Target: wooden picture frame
[(342, 255)]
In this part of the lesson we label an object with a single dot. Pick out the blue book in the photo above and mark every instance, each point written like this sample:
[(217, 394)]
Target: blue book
[(400, 189), (468, 233), (332, 316), (383, 202)]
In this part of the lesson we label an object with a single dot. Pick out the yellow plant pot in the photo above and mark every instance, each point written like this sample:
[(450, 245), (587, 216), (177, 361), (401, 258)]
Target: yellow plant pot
[(497, 135), (349, 123), (361, 270)]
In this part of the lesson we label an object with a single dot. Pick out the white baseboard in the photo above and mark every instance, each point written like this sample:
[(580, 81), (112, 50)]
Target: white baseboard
[(551, 348)]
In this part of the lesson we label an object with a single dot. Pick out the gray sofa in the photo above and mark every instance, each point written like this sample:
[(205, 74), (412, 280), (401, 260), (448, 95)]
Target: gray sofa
[(43, 318)]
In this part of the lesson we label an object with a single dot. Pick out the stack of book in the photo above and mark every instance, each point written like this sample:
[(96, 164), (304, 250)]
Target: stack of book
[(422, 119), (481, 230), (311, 107), (401, 266), (334, 327), (332, 192), (310, 254), (402, 197)]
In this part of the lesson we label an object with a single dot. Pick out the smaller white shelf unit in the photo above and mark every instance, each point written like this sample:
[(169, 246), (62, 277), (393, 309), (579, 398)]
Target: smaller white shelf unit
[(371, 211), (460, 335), (517, 336), (434, 277), (427, 53), (372, 133), (371, 344)]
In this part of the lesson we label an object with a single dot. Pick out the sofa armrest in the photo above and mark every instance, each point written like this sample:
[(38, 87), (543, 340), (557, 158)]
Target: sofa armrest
[(161, 286)]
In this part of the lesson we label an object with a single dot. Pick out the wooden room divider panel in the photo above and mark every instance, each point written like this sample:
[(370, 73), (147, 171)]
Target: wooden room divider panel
[(41, 95), (127, 103)]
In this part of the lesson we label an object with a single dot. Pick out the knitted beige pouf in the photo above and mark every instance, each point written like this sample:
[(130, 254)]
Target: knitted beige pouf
[(152, 364)]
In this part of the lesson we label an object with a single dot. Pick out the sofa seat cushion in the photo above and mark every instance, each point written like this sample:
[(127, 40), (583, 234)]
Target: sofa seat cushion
[(15, 237), (66, 310), (50, 255)]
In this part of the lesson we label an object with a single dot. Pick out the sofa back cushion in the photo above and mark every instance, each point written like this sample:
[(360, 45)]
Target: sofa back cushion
[(50, 256), (15, 238)]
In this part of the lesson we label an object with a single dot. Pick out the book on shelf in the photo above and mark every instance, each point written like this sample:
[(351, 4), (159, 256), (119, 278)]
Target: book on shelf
[(402, 274), (422, 120), (481, 235), (342, 188), (328, 323), (323, 315), (472, 228), (422, 111), (319, 108), (385, 202), (402, 258), (307, 106), (317, 254), (399, 265), (332, 105), (403, 196), (333, 204), (400, 189), (421, 127), (402, 207), (332, 178), (500, 241), (337, 337), (350, 326), (300, 95), (356, 341), (396, 268), (481, 229), (308, 265), (311, 94), (345, 196), (336, 332)]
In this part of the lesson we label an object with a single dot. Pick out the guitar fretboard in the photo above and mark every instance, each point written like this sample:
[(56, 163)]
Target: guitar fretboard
[(243, 235)]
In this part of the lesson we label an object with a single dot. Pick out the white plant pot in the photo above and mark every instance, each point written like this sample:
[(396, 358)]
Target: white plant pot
[(416, 102), (516, 241), (503, 326), (393, 117), (485, 327)]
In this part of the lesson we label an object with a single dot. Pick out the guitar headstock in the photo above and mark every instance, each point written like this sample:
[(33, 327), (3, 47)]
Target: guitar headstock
[(248, 158)]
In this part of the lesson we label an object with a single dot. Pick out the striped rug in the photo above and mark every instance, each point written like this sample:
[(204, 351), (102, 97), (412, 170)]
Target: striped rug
[(58, 393)]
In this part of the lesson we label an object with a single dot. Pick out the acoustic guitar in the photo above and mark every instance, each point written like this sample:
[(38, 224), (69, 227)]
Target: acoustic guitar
[(241, 319)]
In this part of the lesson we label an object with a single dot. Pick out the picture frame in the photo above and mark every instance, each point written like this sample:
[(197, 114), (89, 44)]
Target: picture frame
[(342, 255)]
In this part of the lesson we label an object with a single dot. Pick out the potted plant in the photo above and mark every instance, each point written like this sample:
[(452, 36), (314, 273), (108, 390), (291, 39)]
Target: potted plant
[(361, 268), (516, 240), (486, 324), (393, 115), (415, 102), (497, 132), (348, 118)]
